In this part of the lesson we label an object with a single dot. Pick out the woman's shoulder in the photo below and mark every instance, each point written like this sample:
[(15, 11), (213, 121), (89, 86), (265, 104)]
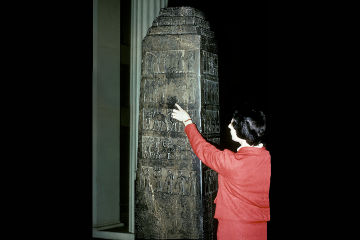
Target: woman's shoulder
[(249, 152)]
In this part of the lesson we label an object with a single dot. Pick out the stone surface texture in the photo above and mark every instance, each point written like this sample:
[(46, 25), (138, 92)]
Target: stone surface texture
[(174, 190)]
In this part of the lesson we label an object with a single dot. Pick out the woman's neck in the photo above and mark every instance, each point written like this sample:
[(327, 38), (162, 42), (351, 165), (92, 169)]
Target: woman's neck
[(245, 144)]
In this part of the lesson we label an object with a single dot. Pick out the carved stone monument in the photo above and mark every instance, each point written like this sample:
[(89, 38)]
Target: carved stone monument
[(174, 191)]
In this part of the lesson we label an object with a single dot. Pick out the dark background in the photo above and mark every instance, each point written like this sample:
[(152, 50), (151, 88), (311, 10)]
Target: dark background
[(284, 56)]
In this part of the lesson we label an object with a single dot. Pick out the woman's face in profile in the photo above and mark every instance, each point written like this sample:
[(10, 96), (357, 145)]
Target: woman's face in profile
[(233, 132)]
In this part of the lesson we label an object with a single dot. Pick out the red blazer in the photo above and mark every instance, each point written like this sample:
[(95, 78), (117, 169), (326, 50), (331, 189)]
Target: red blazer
[(243, 178)]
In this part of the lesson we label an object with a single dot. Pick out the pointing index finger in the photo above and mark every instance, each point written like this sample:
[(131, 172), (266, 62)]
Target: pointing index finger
[(177, 105)]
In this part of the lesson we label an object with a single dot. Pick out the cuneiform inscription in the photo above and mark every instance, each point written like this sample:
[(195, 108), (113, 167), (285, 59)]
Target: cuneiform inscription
[(165, 148), (160, 120), (159, 90), (168, 180), (209, 63), (178, 61)]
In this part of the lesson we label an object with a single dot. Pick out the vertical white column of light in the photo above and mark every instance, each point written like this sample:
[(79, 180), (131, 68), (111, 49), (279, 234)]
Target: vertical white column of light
[(94, 112), (143, 12), (106, 113)]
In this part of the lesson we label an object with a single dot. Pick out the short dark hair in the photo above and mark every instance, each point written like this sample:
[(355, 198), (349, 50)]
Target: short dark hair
[(250, 125)]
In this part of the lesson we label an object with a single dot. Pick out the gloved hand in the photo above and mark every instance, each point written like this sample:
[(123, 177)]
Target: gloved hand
[(181, 115)]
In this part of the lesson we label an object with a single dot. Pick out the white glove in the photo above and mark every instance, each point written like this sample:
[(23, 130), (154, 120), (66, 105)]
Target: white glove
[(181, 115)]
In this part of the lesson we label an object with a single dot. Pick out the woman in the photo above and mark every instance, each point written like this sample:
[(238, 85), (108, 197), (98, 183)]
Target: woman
[(242, 201)]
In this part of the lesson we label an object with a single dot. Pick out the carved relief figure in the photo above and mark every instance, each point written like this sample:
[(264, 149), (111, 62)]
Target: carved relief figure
[(192, 184), (190, 60), (180, 183), (169, 182), (208, 182), (146, 177), (145, 181), (158, 178)]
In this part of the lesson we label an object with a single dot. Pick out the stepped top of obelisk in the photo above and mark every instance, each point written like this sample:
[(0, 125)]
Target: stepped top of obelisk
[(180, 20), (182, 11)]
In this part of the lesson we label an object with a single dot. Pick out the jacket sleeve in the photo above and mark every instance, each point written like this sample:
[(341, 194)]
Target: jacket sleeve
[(207, 153)]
